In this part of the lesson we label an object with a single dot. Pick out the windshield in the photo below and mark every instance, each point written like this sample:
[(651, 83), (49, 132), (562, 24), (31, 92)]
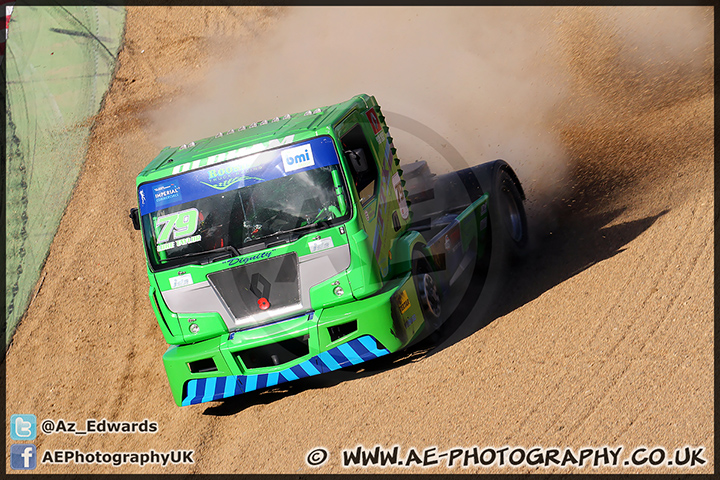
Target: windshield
[(243, 205)]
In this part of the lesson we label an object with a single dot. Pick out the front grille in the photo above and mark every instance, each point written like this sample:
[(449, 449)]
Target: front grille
[(274, 353), (338, 331), (202, 366), (271, 283)]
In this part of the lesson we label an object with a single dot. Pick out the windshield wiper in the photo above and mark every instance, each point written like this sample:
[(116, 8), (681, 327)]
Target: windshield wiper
[(223, 253)]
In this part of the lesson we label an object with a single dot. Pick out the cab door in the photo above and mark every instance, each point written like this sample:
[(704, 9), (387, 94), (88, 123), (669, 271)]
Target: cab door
[(367, 152)]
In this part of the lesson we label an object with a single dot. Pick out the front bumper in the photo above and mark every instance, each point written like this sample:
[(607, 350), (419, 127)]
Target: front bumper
[(353, 352), (333, 338)]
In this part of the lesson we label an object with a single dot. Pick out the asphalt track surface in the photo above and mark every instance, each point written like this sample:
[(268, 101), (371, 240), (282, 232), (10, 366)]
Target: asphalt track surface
[(602, 336)]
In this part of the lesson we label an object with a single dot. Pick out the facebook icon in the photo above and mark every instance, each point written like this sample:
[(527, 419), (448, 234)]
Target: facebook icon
[(23, 457)]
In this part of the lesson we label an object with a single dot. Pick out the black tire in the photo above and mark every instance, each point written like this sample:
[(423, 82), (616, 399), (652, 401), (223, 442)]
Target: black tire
[(507, 215), (427, 291)]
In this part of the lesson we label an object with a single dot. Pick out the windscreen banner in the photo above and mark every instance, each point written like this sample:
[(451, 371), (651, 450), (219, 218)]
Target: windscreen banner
[(238, 173)]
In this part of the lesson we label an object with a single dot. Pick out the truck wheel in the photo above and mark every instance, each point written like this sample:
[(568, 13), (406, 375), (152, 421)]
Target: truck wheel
[(427, 291), (507, 214)]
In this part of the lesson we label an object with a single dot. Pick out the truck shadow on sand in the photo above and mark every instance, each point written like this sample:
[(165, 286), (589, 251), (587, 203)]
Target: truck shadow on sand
[(580, 242)]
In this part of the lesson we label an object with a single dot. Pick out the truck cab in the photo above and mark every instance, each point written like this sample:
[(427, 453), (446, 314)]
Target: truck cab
[(286, 248)]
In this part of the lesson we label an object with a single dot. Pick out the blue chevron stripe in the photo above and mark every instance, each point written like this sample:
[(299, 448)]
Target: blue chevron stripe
[(339, 358), (372, 346), (261, 381), (288, 375), (191, 387), (199, 390), (361, 350), (231, 386), (250, 383), (329, 362), (309, 368), (298, 371), (220, 387), (209, 389), (351, 353)]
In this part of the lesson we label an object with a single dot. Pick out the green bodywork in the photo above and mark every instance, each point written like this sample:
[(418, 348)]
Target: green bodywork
[(370, 298)]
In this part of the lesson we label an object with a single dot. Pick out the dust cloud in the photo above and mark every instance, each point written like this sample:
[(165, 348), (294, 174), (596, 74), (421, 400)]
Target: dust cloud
[(493, 82), (639, 79)]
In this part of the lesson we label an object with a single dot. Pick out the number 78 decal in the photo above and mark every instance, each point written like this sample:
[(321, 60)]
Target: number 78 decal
[(179, 225)]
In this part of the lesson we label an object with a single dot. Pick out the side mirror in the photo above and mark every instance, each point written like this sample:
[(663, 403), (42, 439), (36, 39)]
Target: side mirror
[(135, 217), (357, 160)]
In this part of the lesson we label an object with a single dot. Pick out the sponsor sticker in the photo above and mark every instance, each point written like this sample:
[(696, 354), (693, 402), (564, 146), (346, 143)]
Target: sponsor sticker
[(410, 321), (374, 122), (400, 195), (322, 244), (297, 157), (176, 226), (181, 281), (380, 138), (166, 193), (403, 302)]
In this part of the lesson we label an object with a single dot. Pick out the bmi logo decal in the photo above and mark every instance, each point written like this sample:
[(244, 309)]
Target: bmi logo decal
[(297, 157)]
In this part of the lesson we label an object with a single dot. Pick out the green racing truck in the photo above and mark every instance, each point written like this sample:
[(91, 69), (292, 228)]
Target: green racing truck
[(298, 245)]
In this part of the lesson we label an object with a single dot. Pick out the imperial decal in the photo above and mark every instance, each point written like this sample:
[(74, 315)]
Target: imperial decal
[(166, 193)]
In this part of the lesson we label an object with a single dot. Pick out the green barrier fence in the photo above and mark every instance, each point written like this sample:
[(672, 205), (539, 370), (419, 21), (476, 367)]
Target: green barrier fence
[(59, 63)]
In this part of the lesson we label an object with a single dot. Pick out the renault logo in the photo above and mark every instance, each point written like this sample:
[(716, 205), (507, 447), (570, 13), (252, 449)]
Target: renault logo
[(260, 287)]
